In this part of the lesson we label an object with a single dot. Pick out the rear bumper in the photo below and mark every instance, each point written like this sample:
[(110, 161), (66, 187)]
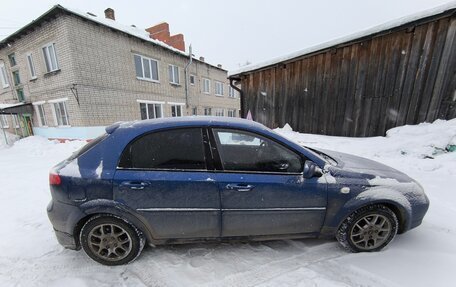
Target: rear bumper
[(64, 218), (66, 240)]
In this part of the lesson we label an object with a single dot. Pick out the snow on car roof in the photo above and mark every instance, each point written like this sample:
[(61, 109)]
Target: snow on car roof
[(363, 33)]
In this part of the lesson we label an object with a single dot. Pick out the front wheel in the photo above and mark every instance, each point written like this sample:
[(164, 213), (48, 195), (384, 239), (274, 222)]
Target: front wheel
[(368, 229), (110, 240)]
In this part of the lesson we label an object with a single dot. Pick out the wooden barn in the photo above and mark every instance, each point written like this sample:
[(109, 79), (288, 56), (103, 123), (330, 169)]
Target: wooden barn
[(402, 72)]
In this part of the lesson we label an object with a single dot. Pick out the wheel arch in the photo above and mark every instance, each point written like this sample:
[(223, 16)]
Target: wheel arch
[(392, 199), (111, 208)]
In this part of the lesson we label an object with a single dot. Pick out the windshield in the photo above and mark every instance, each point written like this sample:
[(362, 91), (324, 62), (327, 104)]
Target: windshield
[(326, 157)]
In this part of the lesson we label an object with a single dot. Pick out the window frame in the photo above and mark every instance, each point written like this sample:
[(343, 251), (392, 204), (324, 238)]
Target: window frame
[(218, 161), (147, 108), (218, 84), (47, 56), (4, 123), (228, 113), (39, 106), (15, 121), (143, 78), (67, 116), (222, 110), (208, 92), (172, 71), (20, 90), (190, 79), (231, 92), (16, 78), (31, 66), (172, 104), (11, 59), (206, 150), (4, 75)]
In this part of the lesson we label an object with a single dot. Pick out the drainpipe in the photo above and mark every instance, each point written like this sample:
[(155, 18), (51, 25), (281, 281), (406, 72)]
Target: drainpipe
[(241, 94), (186, 74)]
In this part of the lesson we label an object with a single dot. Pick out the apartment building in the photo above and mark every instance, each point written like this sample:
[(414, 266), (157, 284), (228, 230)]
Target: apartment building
[(68, 74)]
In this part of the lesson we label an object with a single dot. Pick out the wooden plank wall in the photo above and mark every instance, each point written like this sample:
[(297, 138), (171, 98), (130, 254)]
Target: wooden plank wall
[(364, 88)]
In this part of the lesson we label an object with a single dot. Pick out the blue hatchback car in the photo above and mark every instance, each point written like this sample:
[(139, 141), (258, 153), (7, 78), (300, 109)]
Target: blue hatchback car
[(181, 180)]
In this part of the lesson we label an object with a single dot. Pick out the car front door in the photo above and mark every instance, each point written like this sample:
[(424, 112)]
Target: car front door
[(263, 191), (164, 176)]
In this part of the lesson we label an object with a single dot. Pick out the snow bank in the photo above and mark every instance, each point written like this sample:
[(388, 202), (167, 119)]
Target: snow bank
[(425, 140)]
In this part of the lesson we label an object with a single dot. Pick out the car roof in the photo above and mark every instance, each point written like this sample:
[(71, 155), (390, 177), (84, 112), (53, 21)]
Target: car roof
[(155, 124)]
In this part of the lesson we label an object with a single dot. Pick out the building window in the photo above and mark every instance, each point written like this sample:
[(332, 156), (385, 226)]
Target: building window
[(207, 111), (219, 112), (12, 59), (31, 66), (192, 79), (4, 121), (146, 68), (16, 121), (173, 72), (20, 95), (151, 110), (232, 92), (16, 78), (61, 113), (3, 77), (218, 88), (206, 86), (195, 111), (39, 109), (231, 113), (176, 110), (50, 58)]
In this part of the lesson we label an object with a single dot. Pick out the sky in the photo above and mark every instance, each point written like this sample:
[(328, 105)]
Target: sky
[(235, 32)]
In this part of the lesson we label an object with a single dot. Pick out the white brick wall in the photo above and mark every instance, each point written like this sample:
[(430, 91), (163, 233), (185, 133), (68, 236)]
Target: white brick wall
[(100, 62)]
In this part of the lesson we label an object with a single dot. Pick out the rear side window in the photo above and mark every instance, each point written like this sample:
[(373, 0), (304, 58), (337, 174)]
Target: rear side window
[(87, 146), (172, 149)]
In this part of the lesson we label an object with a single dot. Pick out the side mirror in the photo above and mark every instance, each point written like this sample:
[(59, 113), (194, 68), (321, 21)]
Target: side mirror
[(311, 170)]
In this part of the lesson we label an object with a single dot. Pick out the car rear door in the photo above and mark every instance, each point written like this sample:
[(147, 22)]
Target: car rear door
[(164, 176), (263, 191)]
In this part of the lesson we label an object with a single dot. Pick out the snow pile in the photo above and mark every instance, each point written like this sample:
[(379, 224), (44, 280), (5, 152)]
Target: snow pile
[(9, 137), (425, 256), (420, 141)]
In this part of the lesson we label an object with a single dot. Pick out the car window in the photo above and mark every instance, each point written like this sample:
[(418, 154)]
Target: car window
[(172, 149), (244, 151)]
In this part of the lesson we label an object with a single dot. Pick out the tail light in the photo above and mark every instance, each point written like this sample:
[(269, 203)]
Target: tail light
[(54, 179)]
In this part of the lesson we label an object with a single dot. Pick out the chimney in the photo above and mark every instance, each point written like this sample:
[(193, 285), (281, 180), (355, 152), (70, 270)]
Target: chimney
[(161, 33), (219, 66), (109, 14), (202, 59)]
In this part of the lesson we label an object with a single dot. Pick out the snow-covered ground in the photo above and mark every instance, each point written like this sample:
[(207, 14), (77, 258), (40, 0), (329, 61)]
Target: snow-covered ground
[(425, 256)]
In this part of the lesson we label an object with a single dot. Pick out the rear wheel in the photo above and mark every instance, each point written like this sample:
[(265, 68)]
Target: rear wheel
[(368, 229), (110, 240)]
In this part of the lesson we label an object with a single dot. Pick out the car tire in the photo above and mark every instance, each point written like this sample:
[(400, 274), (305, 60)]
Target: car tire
[(110, 240), (368, 229)]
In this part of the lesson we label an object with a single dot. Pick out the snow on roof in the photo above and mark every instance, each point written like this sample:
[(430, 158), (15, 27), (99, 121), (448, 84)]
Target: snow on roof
[(363, 33), (131, 30), (5, 106)]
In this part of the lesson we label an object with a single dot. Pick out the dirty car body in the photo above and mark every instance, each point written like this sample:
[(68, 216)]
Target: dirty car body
[(189, 179)]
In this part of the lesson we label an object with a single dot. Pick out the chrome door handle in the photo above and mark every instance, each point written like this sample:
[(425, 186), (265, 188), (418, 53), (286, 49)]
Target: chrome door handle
[(134, 185), (239, 187)]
